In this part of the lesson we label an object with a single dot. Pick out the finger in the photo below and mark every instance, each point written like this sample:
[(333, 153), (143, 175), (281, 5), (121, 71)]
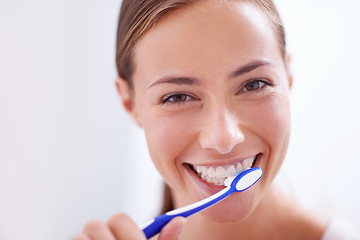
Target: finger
[(123, 227), (172, 230), (97, 230), (81, 236)]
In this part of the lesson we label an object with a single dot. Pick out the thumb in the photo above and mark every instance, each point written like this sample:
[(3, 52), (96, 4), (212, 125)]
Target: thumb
[(173, 229)]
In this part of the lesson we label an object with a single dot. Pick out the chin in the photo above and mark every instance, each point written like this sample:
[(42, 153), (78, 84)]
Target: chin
[(234, 209)]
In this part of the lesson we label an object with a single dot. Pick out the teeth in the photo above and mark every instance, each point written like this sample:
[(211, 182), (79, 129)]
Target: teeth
[(220, 172), (239, 168), (247, 163), (231, 171), (204, 170), (217, 174), (203, 177), (211, 172)]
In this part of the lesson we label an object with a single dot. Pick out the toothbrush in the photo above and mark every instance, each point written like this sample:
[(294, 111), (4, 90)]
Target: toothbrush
[(238, 183)]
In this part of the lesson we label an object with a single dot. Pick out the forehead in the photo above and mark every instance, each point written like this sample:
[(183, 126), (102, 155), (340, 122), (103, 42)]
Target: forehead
[(200, 36)]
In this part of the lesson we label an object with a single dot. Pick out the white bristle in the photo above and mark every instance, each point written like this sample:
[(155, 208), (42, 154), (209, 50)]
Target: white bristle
[(228, 181)]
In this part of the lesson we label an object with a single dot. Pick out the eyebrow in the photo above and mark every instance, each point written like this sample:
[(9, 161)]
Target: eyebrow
[(194, 81), (177, 81), (250, 67)]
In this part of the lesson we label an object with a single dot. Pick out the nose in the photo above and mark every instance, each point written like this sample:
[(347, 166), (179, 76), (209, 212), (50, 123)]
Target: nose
[(221, 131)]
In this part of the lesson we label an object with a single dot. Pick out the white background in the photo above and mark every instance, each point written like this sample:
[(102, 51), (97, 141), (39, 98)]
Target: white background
[(69, 153)]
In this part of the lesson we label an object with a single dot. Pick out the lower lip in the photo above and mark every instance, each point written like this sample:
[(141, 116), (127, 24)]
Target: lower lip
[(208, 188)]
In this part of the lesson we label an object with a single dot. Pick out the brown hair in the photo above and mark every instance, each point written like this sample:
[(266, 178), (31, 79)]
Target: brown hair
[(138, 16)]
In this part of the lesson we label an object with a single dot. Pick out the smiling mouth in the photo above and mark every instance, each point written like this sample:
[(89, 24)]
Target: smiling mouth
[(217, 174)]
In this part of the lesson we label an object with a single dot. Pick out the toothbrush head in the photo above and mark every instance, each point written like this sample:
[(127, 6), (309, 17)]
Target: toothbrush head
[(229, 180), (244, 180)]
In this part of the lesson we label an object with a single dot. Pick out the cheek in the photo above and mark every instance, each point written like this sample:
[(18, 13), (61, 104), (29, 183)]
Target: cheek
[(273, 126), (167, 136), (274, 120)]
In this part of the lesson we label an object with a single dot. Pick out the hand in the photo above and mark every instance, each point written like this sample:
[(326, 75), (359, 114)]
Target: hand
[(120, 227)]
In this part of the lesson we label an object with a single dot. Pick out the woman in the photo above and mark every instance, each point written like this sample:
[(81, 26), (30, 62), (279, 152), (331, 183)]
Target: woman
[(208, 81)]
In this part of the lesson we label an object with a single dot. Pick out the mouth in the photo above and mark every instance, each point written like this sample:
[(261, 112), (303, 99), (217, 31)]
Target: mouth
[(216, 175)]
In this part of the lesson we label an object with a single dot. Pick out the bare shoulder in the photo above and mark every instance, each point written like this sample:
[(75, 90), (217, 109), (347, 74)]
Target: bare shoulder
[(302, 224)]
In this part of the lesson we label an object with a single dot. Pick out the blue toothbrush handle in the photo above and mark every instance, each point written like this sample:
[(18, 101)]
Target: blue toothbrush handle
[(154, 226)]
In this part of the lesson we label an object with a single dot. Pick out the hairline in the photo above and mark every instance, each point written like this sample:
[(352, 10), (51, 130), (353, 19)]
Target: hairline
[(163, 11)]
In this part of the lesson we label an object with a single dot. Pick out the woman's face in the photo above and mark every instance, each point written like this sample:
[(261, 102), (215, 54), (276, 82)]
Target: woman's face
[(211, 92)]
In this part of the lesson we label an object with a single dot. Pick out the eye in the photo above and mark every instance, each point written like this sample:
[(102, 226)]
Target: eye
[(251, 86), (176, 98), (255, 85)]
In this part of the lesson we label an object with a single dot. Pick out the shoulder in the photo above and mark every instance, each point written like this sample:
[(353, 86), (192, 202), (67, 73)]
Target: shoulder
[(339, 229), (301, 224)]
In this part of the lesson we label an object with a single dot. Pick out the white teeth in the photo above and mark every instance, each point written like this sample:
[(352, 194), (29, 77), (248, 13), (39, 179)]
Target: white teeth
[(239, 168), (204, 170), (217, 174), (220, 172), (247, 163), (202, 176), (231, 171), (211, 172)]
